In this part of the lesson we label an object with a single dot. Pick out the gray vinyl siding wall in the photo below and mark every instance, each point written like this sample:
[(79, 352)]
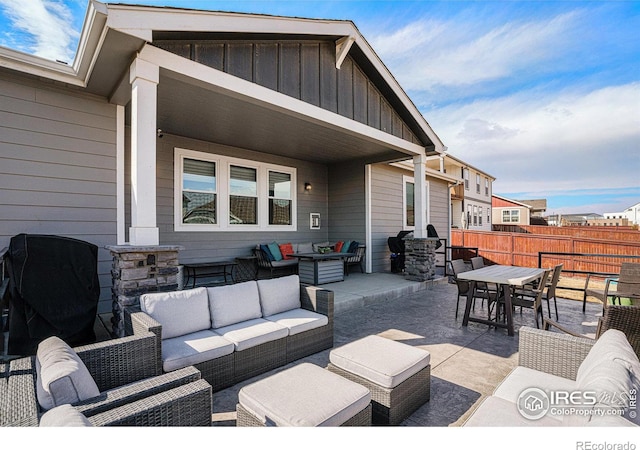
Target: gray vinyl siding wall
[(386, 210), (347, 220), (305, 70), (212, 245), (58, 167)]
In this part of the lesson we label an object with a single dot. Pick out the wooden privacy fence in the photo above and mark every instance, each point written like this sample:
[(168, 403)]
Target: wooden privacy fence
[(580, 254)]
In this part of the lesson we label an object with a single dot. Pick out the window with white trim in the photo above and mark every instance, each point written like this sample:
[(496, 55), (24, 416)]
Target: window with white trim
[(475, 215), (465, 175), (477, 183), (409, 199), (409, 204), (480, 215), (220, 193), (510, 216), (486, 187)]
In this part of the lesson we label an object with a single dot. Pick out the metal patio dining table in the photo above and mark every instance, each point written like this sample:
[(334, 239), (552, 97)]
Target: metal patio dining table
[(504, 277)]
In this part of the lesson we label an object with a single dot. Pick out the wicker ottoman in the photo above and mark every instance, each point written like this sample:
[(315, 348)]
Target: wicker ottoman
[(305, 395), (398, 375)]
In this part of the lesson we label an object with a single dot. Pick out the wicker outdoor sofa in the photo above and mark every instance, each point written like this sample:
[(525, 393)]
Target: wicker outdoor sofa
[(131, 389), (607, 369), (234, 332)]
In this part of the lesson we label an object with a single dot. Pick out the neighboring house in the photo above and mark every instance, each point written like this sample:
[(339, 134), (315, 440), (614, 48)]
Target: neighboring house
[(579, 219), (202, 129), (470, 201), (509, 212), (538, 206), (632, 214)]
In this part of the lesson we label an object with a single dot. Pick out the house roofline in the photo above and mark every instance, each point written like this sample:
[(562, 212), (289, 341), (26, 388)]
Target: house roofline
[(100, 17), (511, 201)]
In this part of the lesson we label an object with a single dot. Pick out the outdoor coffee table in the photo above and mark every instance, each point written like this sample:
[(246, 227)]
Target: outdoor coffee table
[(321, 268), (503, 276)]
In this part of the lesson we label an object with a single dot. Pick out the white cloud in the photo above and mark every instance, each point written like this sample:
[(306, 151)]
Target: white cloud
[(426, 54), (553, 142), (47, 25)]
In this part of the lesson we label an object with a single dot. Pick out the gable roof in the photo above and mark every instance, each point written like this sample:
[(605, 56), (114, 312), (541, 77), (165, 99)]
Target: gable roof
[(112, 33), (503, 202)]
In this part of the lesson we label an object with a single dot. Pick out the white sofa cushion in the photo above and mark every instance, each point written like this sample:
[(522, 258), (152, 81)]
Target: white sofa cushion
[(498, 412), (252, 332), (61, 376), (382, 361), (522, 378), (279, 294), (299, 320), (234, 303), (304, 395), (179, 312), (611, 346), (64, 416), (193, 348)]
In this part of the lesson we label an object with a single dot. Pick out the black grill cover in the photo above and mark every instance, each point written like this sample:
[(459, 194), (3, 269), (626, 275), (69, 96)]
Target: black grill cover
[(54, 291)]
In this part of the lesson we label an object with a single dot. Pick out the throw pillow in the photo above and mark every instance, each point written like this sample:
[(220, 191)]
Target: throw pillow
[(345, 246), (267, 252), (353, 248), (338, 247), (61, 376), (320, 245), (275, 251), (286, 250)]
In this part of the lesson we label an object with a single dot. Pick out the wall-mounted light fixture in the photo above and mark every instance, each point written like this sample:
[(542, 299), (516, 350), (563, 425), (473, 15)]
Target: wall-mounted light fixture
[(307, 186), (160, 133)]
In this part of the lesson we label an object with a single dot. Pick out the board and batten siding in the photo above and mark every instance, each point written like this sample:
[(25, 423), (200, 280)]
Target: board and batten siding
[(305, 70), (387, 203), (58, 167), (219, 245)]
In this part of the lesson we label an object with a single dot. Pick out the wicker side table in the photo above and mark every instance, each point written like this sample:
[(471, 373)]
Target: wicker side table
[(246, 269)]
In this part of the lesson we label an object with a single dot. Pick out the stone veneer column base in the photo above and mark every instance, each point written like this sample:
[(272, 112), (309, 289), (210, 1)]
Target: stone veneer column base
[(420, 258), (137, 270)]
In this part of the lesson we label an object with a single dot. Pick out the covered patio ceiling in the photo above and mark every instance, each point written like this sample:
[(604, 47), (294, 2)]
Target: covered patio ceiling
[(213, 116)]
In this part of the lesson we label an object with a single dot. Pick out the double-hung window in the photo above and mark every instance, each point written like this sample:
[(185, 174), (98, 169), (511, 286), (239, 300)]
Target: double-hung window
[(221, 193), (510, 216)]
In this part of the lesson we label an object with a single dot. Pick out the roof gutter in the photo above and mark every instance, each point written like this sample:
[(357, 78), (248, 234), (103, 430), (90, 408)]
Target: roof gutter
[(92, 36)]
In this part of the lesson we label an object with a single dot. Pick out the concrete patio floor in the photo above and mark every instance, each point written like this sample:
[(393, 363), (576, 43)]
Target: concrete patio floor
[(467, 363)]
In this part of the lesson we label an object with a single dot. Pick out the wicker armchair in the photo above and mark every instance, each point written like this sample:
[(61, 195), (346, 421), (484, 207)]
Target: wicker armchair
[(126, 373), (617, 317), (628, 285)]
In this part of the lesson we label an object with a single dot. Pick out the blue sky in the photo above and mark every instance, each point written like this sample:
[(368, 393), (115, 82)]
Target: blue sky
[(542, 95)]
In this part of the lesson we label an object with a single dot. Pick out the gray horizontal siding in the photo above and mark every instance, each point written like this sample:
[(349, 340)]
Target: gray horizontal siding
[(386, 210), (304, 70), (58, 167), (202, 246), (347, 218)]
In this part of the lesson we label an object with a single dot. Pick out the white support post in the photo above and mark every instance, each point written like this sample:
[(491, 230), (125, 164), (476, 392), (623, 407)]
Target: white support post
[(420, 184), (144, 78)]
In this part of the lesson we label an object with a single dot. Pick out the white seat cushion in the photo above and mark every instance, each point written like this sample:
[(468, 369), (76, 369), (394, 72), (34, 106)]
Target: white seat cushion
[(304, 395), (522, 378), (382, 361), (64, 416), (498, 412), (299, 320), (252, 332), (234, 303), (194, 348), (179, 312), (279, 294), (61, 376)]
